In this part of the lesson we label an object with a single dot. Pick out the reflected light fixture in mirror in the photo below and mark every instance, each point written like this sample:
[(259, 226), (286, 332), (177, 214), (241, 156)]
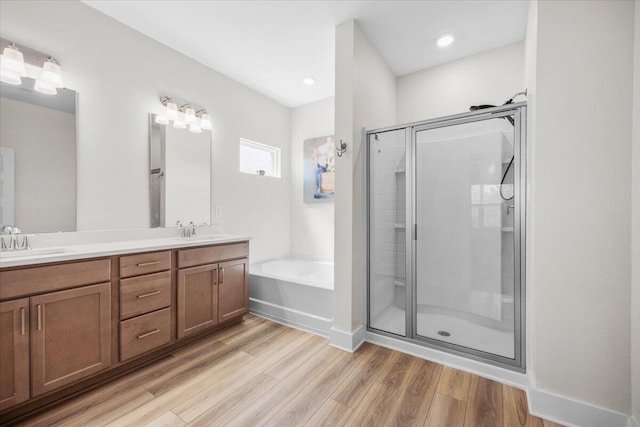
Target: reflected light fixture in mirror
[(12, 67), (179, 124)]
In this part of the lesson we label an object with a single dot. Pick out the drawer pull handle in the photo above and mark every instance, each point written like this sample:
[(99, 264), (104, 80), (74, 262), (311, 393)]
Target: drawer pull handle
[(149, 294), (155, 331), (22, 322), (221, 275), (147, 264), (39, 310)]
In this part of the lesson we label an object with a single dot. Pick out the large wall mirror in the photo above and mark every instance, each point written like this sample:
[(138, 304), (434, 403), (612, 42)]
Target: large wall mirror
[(37, 158), (179, 176)]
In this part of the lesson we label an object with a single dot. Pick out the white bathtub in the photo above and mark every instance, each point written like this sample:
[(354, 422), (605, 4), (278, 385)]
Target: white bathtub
[(296, 292)]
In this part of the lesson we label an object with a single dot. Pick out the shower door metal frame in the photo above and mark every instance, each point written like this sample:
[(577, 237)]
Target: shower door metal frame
[(518, 111)]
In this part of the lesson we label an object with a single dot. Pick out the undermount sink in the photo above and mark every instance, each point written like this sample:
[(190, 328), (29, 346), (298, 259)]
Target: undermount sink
[(32, 252), (206, 237)]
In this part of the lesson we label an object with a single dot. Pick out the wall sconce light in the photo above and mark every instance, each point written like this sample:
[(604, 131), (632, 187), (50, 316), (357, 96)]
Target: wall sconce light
[(13, 67), (183, 116), (341, 148)]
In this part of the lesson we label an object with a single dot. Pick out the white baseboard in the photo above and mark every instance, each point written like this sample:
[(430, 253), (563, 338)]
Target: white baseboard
[(289, 317), (348, 341), (569, 412), (495, 373)]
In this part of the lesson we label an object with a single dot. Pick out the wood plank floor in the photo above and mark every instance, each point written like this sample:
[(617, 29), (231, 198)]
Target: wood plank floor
[(262, 373)]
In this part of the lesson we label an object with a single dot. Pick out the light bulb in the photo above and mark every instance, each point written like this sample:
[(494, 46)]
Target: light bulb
[(12, 60), (44, 87), (10, 77), (190, 115), (194, 129), (161, 120), (171, 112), (205, 121), (178, 124), (51, 73)]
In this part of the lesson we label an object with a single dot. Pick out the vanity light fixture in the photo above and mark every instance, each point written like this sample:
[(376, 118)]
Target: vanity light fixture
[(170, 108), (51, 73), (205, 119), (50, 78), (196, 118), (12, 67), (189, 114)]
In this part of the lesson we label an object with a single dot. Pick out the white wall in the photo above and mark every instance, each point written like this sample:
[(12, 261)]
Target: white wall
[(489, 77), (635, 298), (119, 75), (311, 223), (365, 97), (581, 274), (44, 141)]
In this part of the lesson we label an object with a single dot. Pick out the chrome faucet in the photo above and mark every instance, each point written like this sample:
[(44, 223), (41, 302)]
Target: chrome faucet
[(14, 241), (188, 230)]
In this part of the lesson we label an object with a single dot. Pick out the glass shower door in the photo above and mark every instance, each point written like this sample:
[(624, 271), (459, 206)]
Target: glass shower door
[(465, 262), (387, 232)]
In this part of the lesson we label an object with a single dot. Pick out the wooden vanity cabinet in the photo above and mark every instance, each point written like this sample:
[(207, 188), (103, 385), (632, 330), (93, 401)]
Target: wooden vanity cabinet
[(70, 325), (70, 336), (233, 289), (213, 286), (14, 352), (197, 299)]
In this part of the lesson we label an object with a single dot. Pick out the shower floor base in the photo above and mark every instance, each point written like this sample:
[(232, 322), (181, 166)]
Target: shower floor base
[(462, 332)]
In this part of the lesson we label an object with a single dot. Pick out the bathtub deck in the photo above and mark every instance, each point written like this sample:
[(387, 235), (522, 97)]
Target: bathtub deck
[(263, 373)]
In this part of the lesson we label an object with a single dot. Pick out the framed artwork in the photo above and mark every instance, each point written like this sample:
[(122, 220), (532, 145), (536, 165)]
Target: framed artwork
[(319, 169)]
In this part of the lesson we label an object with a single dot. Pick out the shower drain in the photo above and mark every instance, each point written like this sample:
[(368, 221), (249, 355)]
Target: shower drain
[(444, 333)]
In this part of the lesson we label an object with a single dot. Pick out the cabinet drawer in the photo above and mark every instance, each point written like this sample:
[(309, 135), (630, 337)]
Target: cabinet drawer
[(144, 294), (212, 254), (135, 265), (37, 280), (144, 333)]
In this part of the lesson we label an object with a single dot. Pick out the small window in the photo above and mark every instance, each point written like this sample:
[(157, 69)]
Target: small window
[(259, 159)]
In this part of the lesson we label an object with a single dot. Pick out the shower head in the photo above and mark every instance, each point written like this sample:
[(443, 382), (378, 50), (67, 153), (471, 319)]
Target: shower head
[(480, 107)]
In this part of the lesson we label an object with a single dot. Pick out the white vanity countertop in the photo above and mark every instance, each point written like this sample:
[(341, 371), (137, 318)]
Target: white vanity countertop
[(95, 250)]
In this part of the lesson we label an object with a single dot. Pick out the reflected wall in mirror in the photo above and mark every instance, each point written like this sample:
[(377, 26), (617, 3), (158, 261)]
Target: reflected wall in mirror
[(37, 158), (180, 175)]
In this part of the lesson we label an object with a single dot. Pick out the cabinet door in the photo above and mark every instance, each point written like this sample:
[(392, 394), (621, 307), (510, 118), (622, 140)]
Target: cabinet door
[(14, 352), (70, 336), (233, 288), (197, 299)]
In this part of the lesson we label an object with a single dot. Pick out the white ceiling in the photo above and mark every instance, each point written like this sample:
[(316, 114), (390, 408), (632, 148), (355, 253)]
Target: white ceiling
[(270, 46)]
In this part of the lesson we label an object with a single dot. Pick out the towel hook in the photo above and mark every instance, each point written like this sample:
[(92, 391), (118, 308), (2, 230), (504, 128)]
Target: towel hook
[(341, 149)]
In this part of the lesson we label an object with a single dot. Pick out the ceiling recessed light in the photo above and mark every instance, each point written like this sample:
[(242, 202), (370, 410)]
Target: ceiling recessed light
[(444, 40), (308, 80)]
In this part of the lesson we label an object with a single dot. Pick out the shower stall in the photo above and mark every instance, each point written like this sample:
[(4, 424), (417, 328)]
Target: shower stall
[(446, 233)]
